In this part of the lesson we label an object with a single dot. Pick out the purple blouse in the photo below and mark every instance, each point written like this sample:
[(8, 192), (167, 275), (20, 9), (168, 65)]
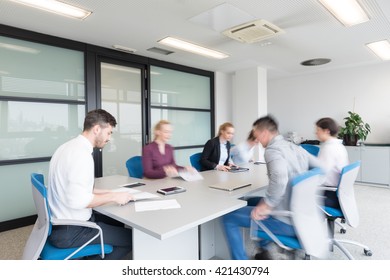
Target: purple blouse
[(153, 161)]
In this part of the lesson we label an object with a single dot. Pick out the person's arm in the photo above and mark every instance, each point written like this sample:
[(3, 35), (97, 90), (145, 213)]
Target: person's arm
[(107, 197), (147, 163), (169, 149), (278, 179)]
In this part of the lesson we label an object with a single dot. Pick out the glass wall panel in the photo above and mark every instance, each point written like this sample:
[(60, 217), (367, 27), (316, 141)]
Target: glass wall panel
[(121, 96), (190, 128), (35, 70), (30, 129), (182, 157), (16, 194), (179, 89)]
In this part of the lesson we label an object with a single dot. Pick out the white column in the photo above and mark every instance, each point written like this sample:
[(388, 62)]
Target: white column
[(249, 100)]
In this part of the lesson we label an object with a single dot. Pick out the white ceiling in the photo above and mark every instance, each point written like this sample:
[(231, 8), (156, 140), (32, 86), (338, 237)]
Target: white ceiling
[(311, 32)]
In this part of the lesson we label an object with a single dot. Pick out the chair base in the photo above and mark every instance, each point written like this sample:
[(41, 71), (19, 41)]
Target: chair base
[(338, 244)]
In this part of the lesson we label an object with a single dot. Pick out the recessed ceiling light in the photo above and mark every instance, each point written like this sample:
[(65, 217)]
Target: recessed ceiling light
[(57, 7), (348, 12), (190, 47), (124, 49), (381, 49), (159, 51), (315, 61)]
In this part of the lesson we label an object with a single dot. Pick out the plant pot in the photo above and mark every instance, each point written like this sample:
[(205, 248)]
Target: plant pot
[(350, 140)]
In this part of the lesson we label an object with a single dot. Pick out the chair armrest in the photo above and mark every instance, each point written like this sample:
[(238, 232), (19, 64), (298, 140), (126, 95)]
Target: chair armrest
[(281, 213), (333, 189), (268, 232), (68, 222)]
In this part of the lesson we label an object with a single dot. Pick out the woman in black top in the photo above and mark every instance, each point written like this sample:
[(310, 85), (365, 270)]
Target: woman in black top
[(216, 151)]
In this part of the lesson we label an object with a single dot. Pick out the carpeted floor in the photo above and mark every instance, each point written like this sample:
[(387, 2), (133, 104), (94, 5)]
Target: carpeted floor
[(373, 230)]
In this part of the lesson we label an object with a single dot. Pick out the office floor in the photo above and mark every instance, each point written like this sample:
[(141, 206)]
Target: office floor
[(373, 231)]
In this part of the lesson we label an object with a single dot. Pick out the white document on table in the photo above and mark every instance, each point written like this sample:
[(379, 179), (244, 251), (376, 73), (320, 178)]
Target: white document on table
[(190, 175), (156, 205), (137, 194)]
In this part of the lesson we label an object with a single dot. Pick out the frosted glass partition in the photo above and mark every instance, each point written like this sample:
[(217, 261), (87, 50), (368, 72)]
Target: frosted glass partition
[(190, 128), (182, 157), (30, 129), (121, 96), (35, 70), (16, 195), (179, 89)]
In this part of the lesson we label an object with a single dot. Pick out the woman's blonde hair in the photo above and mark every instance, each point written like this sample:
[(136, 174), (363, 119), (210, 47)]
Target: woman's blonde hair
[(223, 127), (159, 125)]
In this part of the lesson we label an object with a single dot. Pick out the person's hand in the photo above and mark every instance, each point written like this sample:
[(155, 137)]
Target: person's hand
[(261, 211), (122, 198), (190, 169), (223, 167), (170, 171)]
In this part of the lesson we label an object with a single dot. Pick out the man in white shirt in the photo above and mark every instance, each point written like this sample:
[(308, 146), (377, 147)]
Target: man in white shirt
[(71, 194)]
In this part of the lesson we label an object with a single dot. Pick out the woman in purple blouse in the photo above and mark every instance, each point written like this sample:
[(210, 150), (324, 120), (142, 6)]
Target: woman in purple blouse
[(157, 157)]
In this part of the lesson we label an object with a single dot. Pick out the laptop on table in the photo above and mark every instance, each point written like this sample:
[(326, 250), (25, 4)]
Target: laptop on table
[(230, 185)]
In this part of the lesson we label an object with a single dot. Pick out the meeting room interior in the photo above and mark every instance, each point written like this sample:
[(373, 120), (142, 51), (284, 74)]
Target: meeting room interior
[(197, 64)]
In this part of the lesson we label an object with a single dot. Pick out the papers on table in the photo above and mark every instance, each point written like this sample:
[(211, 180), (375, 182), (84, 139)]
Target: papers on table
[(137, 194), (190, 175), (156, 205)]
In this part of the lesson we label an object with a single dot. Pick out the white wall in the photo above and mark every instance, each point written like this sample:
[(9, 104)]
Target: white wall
[(299, 102), (223, 99), (249, 99)]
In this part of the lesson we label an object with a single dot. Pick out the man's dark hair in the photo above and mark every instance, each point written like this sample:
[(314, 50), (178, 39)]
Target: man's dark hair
[(328, 123), (267, 122), (100, 117)]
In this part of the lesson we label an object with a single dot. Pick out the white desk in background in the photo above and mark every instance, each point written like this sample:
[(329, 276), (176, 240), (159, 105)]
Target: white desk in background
[(175, 233)]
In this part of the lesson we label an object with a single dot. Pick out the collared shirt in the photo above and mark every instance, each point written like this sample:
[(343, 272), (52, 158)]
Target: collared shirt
[(242, 153), (71, 180), (334, 156), (223, 153)]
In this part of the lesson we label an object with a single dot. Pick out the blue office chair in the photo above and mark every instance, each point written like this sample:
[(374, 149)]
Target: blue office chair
[(307, 217), (195, 161), (312, 149), (348, 211), (38, 247), (134, 167)]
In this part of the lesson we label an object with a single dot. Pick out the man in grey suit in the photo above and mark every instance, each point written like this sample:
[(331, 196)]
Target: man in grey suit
[(284, 160)]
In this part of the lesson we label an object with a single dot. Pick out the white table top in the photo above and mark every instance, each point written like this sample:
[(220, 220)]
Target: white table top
[(199, 204)]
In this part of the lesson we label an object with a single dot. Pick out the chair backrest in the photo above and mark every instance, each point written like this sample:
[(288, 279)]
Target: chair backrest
[(195, 161), (134, 167), (42, 227), (346, 193), (307, 217), (312, 149)]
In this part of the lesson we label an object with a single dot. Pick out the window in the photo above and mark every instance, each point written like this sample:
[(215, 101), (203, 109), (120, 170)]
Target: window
[(42, 105), (184, 99)]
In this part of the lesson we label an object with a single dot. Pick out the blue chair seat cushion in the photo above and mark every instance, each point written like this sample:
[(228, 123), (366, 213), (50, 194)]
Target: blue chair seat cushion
[(51, 252), (334, 212), (288, 241)]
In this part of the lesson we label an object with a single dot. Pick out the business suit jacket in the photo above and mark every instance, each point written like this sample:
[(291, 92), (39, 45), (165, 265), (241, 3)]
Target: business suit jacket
[(211, 153)]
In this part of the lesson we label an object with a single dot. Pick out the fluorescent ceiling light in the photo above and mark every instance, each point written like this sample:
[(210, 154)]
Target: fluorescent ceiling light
[(186, 46), (57, 7), (381, 49), (348, 12), (18, 48)]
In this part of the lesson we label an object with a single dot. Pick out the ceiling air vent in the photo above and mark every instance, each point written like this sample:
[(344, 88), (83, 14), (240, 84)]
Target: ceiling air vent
[(253, 31)]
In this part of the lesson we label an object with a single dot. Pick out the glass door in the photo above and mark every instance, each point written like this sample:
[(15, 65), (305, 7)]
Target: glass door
[(121, 95)]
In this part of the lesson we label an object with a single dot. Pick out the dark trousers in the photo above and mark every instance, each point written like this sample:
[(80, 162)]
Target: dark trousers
[(331, 199), (114, 233)]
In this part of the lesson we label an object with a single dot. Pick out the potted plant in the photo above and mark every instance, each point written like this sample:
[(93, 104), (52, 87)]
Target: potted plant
[(355, 129)]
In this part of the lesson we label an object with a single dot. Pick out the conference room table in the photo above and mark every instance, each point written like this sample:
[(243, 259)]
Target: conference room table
[(192, 231)]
